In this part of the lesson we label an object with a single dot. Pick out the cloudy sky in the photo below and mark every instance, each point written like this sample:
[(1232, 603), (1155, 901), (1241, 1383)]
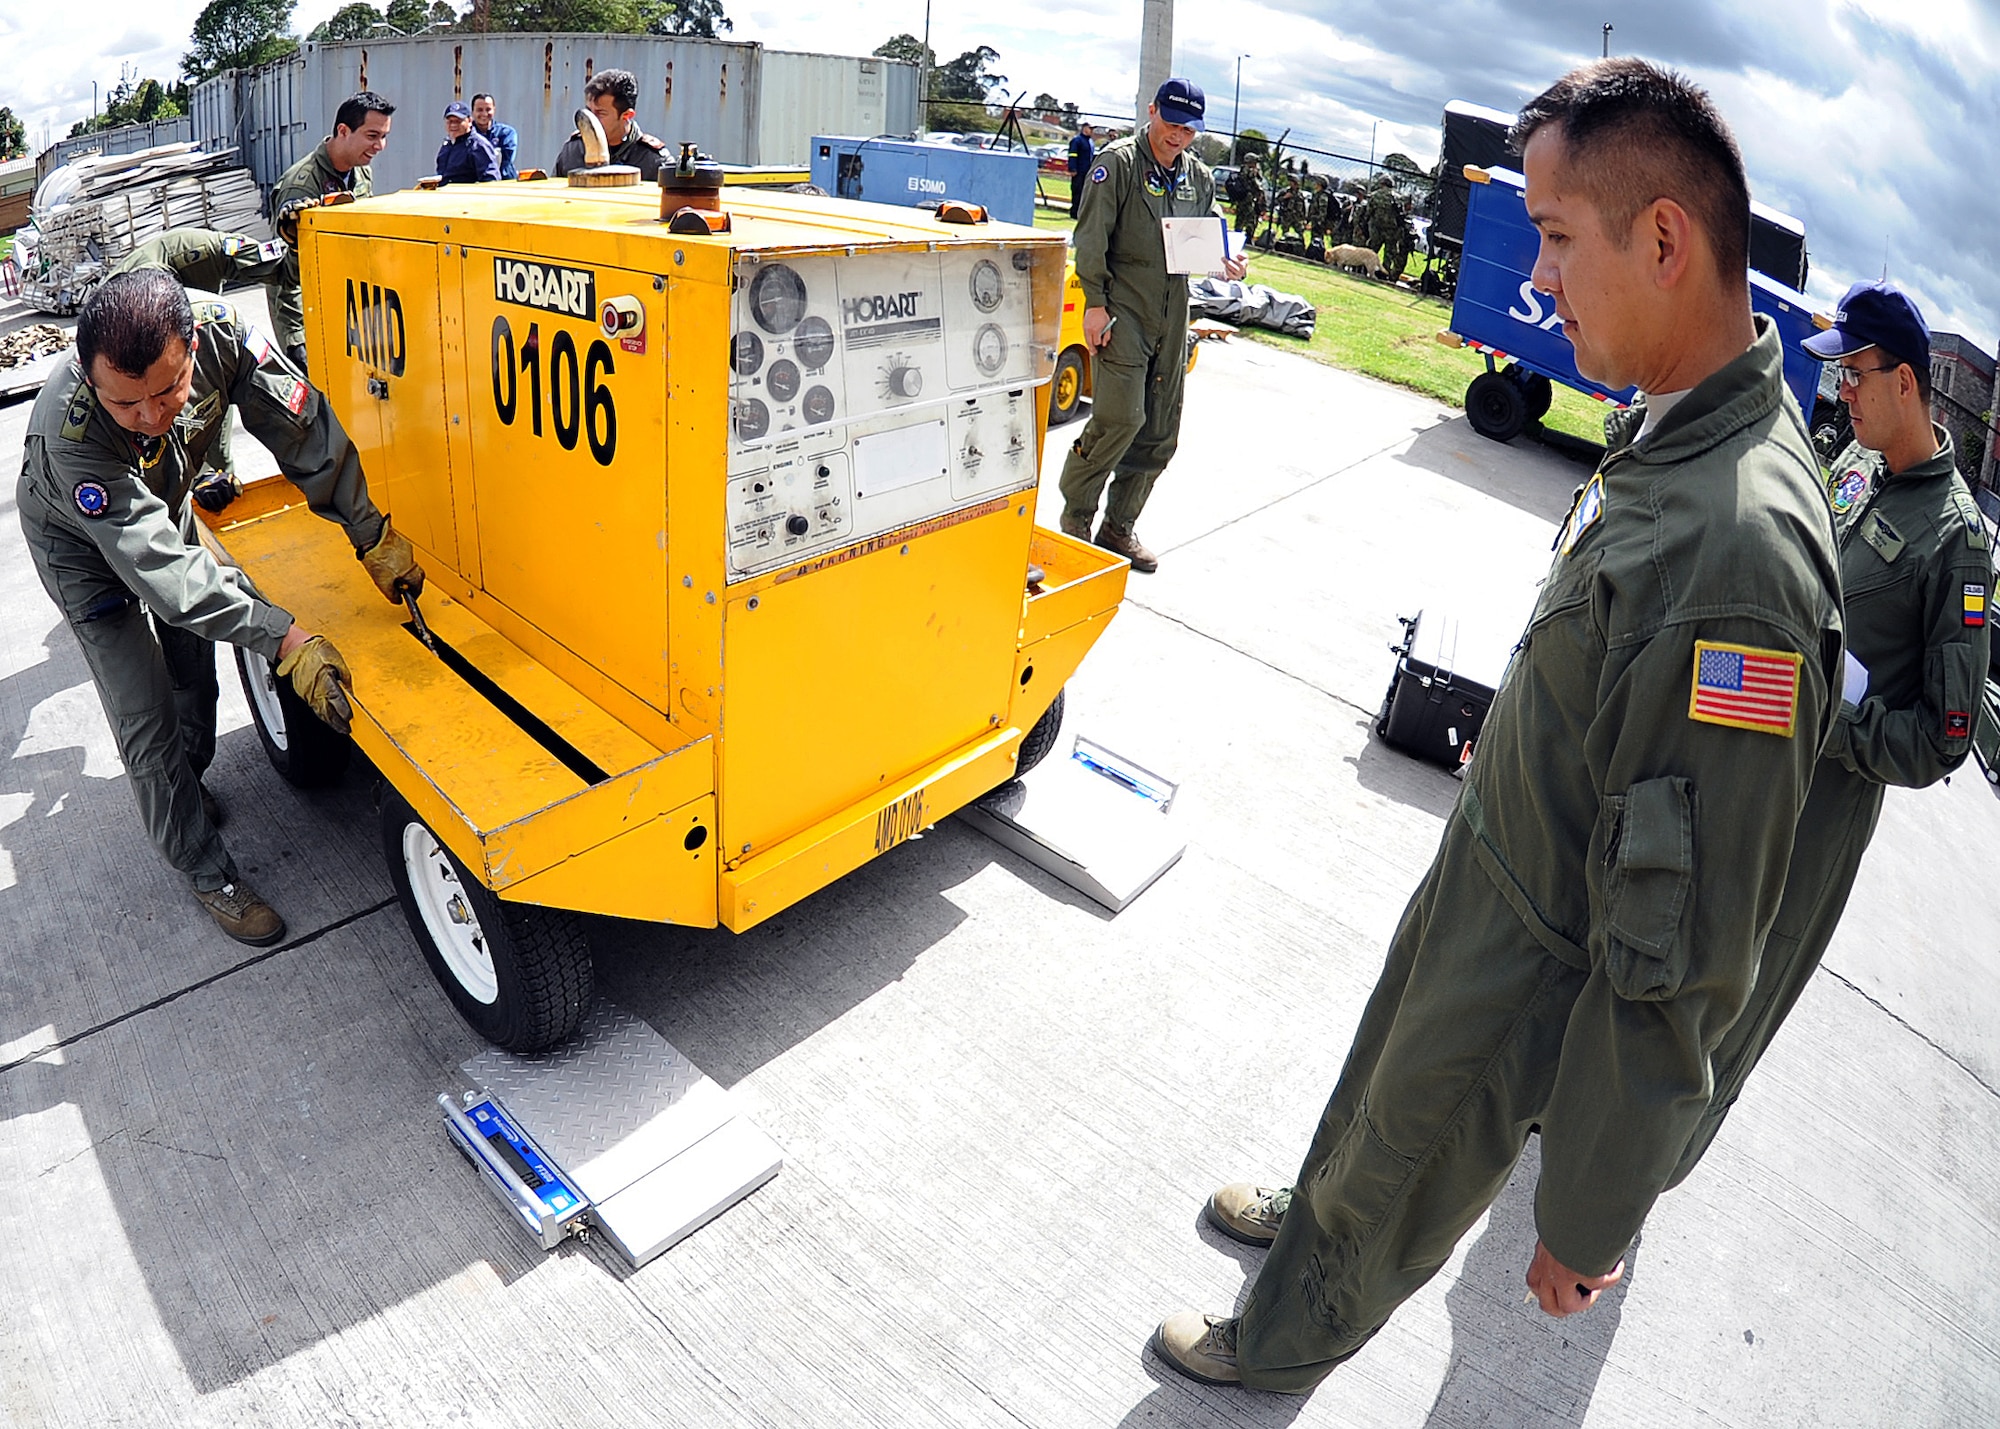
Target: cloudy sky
[(1871, 120)]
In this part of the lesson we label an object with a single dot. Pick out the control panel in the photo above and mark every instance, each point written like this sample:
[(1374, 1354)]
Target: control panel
[(872, 390)]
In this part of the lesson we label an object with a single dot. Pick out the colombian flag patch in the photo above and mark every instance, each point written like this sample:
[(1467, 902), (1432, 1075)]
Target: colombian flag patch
[(1745, 687), (1975, 605)]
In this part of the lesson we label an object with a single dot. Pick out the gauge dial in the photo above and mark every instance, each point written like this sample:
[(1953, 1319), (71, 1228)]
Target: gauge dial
[(987, 290), (777, 299), (782, 380), (748, 354), (813, 343), (989, 349), (753, 419), (818, 405)]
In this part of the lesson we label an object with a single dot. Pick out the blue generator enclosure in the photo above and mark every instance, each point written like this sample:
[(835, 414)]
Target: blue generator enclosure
[(896, 171), (1497, 306)]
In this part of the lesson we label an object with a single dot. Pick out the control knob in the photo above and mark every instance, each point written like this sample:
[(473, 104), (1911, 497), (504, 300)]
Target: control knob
[(797, 525), (906, 381)]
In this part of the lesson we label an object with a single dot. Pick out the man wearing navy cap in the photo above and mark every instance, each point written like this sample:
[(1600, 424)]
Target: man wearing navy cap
[(466, 156), (1135, 318), (1916, 575)]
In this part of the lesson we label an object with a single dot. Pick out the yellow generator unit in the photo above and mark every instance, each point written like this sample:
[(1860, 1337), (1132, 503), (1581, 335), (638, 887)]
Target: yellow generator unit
[(728, 518)]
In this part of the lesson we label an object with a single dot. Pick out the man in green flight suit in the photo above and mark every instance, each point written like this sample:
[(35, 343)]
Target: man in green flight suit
[(1917, 574), (112, 446), (1592, 923), (211, 261), (1136, 317), (338, 170)]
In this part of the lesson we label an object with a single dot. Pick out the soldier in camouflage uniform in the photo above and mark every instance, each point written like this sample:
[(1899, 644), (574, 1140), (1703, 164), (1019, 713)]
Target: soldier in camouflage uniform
[(1388, 225), (1250, 208), (1319, 217), (1291, 209), (112, 447), (212, 262)]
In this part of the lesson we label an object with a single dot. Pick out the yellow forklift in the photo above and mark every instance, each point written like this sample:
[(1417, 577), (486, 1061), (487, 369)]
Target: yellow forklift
[(726, 498)]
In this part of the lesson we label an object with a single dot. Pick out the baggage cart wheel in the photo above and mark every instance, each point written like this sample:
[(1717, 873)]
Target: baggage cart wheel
[(1066, 390), (1035, 746), (1496, 407), (301, 746), (1540, 392), (519, 975)]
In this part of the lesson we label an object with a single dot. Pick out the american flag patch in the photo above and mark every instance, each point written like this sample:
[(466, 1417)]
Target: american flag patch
[(1975, 605), (1747, 688)]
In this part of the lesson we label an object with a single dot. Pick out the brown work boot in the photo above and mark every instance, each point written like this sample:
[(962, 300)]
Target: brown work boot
[(1251, 1214), (1200, 1346), (240, 913), (1077, 526), (1126, 544), (212, 806)]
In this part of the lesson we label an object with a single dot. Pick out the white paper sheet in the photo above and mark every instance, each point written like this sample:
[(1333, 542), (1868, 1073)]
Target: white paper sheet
[(1196, 245)]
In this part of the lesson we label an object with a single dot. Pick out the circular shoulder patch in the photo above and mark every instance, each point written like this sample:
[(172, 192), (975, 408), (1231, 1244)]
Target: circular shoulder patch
[(1099, 174), (92, 499)]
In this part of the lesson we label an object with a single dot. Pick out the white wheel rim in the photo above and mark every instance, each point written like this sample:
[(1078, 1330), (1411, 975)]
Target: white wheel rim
[(447, 913), (264, 697)]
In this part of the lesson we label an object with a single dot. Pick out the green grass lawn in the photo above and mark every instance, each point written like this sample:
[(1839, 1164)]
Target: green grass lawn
[(1384, 331)]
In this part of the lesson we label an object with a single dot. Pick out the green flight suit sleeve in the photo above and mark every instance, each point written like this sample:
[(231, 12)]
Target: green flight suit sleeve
[(1097, 215), (142, 544), (1920, 744), (284, 295), (290, 416), (1684, 872)]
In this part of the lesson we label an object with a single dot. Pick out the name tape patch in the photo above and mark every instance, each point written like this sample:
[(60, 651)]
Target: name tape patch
[(1745, 687)]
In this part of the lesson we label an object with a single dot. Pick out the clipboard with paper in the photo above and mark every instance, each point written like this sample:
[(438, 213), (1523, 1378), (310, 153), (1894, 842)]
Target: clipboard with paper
[(1196, 245)]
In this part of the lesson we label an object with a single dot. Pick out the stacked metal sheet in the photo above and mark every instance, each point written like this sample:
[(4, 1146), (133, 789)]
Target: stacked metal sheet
[(94, 211)]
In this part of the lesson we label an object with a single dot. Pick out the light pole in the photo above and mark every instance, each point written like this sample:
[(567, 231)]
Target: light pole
[(924, 76), (1371, 145), (1236, 116), (1607, 39)]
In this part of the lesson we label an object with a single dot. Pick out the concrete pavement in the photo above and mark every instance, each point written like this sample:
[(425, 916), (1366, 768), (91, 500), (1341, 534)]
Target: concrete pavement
[(225, 1198)]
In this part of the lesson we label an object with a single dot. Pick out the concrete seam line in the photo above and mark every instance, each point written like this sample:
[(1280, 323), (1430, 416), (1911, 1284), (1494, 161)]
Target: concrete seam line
[(1234, 650), (209, 981), (1985, 1085)]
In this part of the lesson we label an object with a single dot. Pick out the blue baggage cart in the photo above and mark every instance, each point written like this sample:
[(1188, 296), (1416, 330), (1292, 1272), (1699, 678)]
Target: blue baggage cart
[(1498, 314)]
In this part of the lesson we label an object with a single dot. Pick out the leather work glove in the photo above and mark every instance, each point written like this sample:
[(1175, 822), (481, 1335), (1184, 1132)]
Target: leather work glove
[(318, 677), (215, 491), (392, 564), (286, 219)]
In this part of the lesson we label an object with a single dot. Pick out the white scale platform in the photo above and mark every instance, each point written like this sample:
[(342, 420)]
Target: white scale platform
[(1096, 820), (654, 1148)]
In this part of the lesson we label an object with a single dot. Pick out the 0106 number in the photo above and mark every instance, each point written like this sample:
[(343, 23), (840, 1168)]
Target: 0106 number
[(579, 402)]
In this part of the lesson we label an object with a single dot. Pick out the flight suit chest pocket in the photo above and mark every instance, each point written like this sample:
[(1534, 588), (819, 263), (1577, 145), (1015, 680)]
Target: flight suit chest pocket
[(1568, 587), (1643, 856)]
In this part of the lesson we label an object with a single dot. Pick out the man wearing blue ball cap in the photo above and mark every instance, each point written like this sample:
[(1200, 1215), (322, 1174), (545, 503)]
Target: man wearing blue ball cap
[(1916, 574), (1135, 317)]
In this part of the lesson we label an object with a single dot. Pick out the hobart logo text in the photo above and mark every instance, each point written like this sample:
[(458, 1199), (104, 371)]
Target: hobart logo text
[(571, 291), (880, 308), (375, 327)]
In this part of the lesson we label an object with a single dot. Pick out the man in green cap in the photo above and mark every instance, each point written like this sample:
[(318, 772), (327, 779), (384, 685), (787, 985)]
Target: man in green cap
[(336, 170), (1591, 926), (1916, 570), (1136, 317), (113, 445), (212, 262)]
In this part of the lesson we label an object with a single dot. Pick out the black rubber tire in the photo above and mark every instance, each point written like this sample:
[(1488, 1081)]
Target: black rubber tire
[(1496, 407), (542, 974), (1037, 743), (306, 751), (1069, 372), (1388, 701), (1540, 392)]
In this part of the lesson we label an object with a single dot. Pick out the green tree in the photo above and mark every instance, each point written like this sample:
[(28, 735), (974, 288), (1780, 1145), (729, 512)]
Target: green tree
[(1251, 144), (412, 17), (967, 79), (582, 16), (234, 34), (135, 101), (909, 49), (349, 22), (13, 134), (700, 18)]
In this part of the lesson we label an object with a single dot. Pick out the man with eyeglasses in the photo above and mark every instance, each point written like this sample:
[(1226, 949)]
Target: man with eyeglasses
[(1916, 575)]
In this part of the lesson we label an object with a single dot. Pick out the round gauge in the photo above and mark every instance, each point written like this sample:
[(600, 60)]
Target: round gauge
[(748, 355), (985, 285), (989, 349), (777, 299), (813, 343), (753, 419), (782, 381), (1023, 260), (818, 406)]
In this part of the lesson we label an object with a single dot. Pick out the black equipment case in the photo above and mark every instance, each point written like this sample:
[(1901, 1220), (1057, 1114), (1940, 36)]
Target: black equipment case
[(1440, 693)]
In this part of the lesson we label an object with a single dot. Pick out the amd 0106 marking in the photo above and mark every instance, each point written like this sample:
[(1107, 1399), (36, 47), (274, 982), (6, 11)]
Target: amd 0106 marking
[(580, 401)]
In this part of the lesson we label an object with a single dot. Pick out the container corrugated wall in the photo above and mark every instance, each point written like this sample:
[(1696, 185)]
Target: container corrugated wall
[(808, 94), (128, 139)]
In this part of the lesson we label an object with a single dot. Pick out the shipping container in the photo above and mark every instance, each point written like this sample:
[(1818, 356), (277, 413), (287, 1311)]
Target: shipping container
[(127, 139), (808, 94)]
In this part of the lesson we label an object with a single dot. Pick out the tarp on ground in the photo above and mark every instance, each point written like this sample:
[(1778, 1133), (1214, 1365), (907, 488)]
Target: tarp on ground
[(1251, 305)]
